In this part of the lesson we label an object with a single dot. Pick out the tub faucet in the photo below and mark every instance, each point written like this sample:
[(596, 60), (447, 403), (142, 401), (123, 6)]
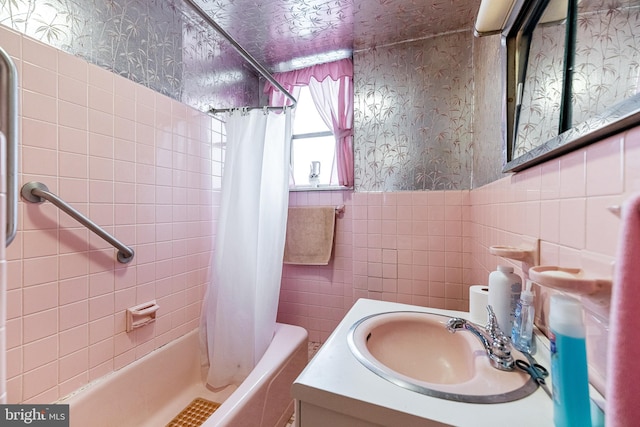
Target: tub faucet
[(492, 338)]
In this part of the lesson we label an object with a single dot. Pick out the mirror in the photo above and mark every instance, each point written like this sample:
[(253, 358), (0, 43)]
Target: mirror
[(539, 91), (573, 76)]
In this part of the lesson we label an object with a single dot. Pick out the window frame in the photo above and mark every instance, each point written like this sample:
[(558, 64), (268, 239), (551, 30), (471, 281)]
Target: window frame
[(307, 136)]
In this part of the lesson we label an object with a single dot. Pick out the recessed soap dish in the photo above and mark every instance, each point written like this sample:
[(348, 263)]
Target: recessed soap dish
[(572, 280), (141, 315)]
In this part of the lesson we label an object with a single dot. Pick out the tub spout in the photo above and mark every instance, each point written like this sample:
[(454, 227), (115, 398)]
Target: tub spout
[(495, 343)]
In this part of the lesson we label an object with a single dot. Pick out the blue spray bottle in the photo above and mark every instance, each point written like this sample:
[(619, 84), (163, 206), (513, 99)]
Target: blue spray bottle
[(569, 372)]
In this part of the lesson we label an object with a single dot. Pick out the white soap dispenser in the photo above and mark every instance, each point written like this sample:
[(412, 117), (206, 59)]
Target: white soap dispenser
[(504, 291)]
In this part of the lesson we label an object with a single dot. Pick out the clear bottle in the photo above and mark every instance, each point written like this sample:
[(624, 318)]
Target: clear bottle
[(504, 291), (569, 372), (314, 174), (522, 331)]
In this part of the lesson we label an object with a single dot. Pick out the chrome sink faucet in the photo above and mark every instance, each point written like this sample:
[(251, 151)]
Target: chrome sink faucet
[(492, 338)]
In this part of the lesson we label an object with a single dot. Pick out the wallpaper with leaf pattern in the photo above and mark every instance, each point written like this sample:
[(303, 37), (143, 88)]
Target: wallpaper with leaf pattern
[(286, 34), (606, 70), (161, 44), (607, 66), (539, 118), (414, 100), (489, 150), (414, 91), (413, 115)]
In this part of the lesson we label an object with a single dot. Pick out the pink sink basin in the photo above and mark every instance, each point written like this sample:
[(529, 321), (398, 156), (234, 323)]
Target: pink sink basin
[(415, 351)]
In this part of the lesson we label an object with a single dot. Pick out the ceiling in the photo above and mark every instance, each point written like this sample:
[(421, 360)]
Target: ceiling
[(290, 34)]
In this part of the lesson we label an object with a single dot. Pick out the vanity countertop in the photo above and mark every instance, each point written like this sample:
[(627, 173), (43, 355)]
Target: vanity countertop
[(335, 380)]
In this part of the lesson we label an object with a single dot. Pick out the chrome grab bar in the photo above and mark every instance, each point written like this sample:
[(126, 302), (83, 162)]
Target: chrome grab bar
[(9, 120), (37, 192)]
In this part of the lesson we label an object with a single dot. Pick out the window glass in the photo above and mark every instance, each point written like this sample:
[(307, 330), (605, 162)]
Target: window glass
[(312, 142), (307, 118)]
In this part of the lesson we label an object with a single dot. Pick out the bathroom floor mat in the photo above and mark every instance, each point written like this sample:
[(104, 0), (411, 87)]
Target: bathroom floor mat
[(195, 414)]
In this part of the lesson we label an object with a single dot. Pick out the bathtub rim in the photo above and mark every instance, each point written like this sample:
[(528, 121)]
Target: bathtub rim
[(286, 337)]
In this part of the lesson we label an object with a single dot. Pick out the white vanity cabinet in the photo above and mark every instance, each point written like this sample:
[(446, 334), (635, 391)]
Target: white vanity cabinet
[(335, 390)]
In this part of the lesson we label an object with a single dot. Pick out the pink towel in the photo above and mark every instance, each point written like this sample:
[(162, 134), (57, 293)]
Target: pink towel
[(623, 371)]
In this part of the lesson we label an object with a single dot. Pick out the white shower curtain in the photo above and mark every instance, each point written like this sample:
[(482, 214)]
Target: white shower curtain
[(241, 302)]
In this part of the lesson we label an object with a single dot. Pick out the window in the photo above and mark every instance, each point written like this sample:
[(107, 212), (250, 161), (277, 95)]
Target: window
[(312, 141), (332, 86)]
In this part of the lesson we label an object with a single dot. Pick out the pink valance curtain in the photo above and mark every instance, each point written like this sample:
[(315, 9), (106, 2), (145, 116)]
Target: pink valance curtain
[(331, 87)]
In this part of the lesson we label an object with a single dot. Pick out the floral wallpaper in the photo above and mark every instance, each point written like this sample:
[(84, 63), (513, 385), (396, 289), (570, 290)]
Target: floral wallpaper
[(413, 115), (164, 45), (289, 34), (539, 118), (421, 120), (161, 44), (414, 92), (383, 22), (489, 149), (606, 70)]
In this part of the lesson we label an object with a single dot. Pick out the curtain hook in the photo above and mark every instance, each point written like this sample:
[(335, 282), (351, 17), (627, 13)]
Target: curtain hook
[(265, 110)]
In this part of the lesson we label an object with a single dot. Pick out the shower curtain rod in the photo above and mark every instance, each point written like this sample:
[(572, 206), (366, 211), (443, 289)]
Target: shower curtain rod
[(270, 108), (246, 55)]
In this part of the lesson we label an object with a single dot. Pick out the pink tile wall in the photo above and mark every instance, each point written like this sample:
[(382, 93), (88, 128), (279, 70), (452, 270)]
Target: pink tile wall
[(317, 297), (405, 247), (427, 248), (563, 202), (144, 168)]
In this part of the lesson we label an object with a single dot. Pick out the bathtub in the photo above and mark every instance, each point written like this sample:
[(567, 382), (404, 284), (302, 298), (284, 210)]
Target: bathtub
[(155, 388)]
